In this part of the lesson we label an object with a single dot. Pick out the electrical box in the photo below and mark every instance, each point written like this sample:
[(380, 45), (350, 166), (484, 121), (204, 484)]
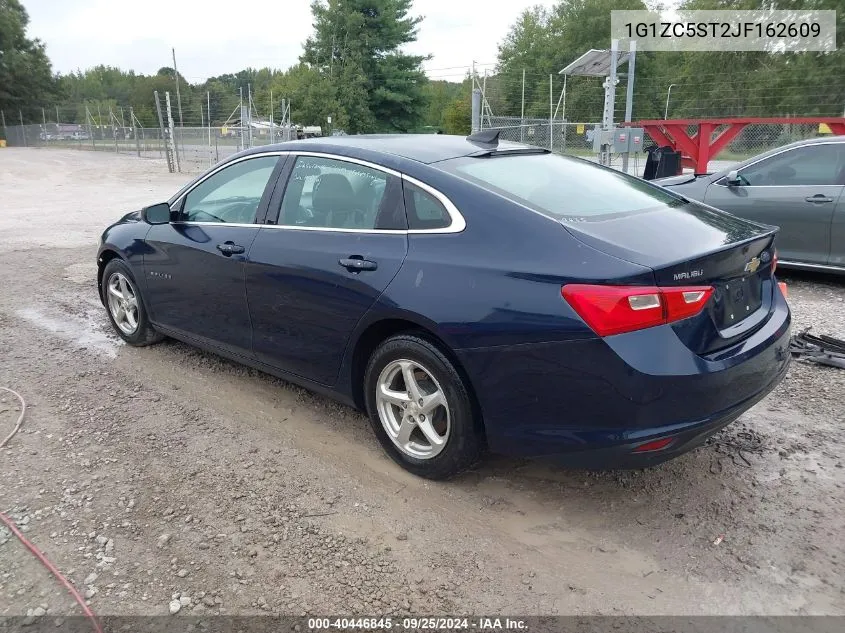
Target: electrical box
[(627, 139), (619, 139), (601, 137), (635, 139)]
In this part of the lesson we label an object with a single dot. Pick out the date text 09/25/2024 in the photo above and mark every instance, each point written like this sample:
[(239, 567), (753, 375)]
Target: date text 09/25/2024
[(417, 624)]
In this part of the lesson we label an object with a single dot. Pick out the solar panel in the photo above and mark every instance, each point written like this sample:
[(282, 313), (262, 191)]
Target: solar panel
[(594, 63)]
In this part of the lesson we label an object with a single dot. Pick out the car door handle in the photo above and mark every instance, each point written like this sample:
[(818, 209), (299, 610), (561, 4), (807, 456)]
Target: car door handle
[(818, 198), (230, 248), (357, 264)]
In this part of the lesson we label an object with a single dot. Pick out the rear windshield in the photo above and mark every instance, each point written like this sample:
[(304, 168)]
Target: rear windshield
[(561, 187)]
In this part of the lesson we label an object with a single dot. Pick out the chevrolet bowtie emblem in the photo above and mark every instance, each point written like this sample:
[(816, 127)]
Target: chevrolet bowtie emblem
[(752, 265)]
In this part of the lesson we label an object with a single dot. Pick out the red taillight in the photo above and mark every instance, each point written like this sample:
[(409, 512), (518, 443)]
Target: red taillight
[(654, 445), (616, 309)]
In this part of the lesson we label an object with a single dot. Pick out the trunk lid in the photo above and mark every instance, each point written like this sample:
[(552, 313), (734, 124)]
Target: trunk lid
[(694, 245)]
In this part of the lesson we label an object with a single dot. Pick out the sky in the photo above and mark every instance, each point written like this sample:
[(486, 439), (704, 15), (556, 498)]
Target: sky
[(211, 39)]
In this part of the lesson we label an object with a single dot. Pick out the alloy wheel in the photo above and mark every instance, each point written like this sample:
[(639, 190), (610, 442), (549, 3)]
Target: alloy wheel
[(123, 302), (413, 409)]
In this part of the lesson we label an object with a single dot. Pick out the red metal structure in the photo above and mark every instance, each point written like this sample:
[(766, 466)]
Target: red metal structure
[(697, 149)]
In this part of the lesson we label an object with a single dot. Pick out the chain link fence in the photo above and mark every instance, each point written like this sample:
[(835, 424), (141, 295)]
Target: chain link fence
[(577, 138), (196, 147)]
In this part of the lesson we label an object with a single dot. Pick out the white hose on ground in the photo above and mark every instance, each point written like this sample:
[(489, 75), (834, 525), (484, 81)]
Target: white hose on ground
[(20, 417)]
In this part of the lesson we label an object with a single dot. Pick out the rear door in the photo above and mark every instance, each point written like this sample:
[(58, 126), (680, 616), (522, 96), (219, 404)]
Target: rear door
[(796, 190), (194, 266), (334, 241), (837, 234)]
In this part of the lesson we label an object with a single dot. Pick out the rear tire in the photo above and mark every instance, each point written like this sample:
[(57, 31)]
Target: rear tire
[(125, 305), (420, 409)]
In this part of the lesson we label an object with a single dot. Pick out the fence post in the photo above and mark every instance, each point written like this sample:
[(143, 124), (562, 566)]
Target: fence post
[(113, 121), (44, 123), (5, 132), (89, 119), (475, 123), (135, 131), (522, 112), (551, 113), (23, 129), (163, 135), (170, 124)]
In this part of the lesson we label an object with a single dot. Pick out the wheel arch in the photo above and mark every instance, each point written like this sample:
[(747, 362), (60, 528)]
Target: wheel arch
[(105, 256), (379, 331)]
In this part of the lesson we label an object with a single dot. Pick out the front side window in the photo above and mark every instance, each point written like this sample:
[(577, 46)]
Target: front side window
[(337, 194), (232, 195), (561, 187), (810, 165)]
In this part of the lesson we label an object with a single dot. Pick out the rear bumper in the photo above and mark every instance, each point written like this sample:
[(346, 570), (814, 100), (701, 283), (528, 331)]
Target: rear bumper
[(589, 403)]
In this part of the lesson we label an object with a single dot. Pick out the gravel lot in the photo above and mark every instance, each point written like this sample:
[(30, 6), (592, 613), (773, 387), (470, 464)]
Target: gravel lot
[(165, 478)]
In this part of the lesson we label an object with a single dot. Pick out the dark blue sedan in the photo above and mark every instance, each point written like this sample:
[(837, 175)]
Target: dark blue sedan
[(465, 293)]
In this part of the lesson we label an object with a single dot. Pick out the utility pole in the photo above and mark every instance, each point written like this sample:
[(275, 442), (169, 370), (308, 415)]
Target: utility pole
[(5, 133), (44, 122), (23, 129), (179, 105), (210, 157), (178, 95), (241, 92), (629, 94), (249, 111), (57, 117), (249, 91), (271, 117)]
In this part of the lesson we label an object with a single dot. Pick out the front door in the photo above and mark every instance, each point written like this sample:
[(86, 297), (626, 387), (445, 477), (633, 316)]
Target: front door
[(339, 239), (796, 190), (194, 267)]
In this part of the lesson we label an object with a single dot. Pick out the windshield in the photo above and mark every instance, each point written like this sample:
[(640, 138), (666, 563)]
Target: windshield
[(561, 187)]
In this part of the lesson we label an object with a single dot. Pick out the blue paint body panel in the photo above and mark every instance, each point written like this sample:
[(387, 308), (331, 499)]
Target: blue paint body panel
[(545, 383)]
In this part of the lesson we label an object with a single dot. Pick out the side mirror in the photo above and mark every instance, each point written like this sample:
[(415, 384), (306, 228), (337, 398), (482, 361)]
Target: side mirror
[(733, 179), (156, 214)]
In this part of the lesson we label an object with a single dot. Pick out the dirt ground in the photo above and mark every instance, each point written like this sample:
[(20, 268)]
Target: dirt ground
[(165, 477)]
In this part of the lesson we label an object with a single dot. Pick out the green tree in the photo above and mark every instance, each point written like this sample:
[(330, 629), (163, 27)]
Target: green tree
[(26, 79), (357, 44), (456, 117)]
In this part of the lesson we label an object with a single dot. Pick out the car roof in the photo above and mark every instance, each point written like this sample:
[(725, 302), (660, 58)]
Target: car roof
[(423, 148)]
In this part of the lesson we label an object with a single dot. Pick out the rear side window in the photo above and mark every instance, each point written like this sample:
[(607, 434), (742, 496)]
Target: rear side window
[(424, 210), (337, 194), (811, 165), (560, 187)]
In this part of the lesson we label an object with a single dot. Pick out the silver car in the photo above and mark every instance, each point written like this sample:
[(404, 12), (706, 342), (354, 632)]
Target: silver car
[(798, 187)]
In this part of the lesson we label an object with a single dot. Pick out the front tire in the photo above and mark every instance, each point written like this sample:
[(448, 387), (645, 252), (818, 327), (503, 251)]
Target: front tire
[(125, 306), (420, 409)]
